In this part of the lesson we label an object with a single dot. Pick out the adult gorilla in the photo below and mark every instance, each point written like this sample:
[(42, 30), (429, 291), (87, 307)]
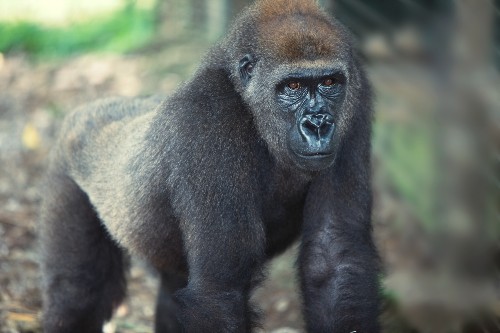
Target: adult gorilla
[(269, 140)]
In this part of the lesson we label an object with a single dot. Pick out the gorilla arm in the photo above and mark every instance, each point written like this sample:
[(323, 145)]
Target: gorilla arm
[(225, 251), (217, 202), (338, 260)]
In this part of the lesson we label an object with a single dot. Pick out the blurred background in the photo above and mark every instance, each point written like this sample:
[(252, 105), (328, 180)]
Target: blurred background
[(434, 65)]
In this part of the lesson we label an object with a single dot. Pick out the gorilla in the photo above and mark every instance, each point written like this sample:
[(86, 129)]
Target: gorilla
[(267, 143)]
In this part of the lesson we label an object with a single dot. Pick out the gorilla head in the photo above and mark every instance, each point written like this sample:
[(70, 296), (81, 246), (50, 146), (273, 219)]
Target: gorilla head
[(294, 73)]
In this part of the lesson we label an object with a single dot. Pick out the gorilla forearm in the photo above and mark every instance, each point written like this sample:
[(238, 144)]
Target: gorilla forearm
[(339, 270)]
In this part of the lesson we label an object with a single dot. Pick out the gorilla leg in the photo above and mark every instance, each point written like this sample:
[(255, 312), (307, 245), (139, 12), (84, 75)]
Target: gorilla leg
[(166, 308), (82, 268)]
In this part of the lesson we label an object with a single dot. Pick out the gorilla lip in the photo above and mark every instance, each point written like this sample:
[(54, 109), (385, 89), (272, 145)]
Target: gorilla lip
[(314, 155)]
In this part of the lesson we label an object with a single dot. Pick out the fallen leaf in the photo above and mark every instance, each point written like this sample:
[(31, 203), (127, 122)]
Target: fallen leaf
[(30, 137), (26, 317)]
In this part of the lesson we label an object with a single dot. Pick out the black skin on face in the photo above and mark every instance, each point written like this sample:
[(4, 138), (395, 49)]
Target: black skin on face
[(268, 143), (313, 98)]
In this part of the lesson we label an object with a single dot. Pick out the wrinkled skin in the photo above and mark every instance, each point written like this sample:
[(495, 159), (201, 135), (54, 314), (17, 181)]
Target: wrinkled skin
[(312, 96)]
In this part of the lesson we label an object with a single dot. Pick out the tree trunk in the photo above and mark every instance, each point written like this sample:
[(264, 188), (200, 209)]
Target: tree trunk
[(199, 15)]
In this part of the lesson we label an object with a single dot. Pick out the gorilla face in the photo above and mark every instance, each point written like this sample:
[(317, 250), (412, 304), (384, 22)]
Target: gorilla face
[(300, 110), (314, 97)]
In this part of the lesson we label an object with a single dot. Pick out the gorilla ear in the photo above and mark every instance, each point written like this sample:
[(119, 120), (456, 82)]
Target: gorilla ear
[(246, 66)]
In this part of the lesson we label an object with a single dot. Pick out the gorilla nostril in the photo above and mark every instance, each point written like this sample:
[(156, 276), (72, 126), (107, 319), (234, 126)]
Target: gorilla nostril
[(316, 127), (317, 121), (311, 125)]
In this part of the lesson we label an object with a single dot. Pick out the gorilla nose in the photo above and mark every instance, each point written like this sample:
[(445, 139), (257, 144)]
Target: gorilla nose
[(317, 121), (316, 127)]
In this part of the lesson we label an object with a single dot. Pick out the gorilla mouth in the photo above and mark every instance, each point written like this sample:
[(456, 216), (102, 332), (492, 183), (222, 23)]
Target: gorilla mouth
[(318, 155), (314, 160)]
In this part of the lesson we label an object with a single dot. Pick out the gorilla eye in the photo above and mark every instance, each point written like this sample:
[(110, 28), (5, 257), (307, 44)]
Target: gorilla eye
[(329, 82), (294, 85)]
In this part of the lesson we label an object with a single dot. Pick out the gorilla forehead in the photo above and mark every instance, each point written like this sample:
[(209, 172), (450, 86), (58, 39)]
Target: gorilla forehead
[(298, 30), (269, 9)]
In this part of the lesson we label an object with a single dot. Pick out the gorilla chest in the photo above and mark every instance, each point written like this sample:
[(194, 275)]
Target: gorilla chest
[(282, 215)]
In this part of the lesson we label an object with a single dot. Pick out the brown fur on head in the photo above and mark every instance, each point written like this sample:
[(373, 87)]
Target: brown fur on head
[(295, 29), (270, 9)]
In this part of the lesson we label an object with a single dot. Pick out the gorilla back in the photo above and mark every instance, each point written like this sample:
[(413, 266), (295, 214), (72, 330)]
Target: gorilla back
[(268, 142)]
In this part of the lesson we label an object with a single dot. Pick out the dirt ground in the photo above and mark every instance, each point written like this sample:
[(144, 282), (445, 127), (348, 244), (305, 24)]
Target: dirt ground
[(34, 97)]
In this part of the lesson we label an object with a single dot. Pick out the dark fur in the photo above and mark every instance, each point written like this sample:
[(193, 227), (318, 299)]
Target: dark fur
[(203, 186)]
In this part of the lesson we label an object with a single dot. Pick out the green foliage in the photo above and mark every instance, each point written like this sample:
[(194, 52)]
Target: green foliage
[(122, 31), (409, 164)]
